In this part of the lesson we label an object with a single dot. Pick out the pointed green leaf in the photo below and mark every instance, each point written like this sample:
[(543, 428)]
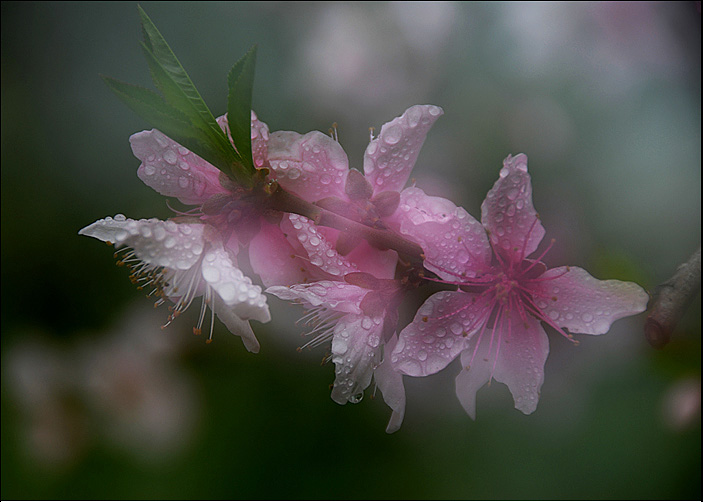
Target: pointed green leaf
[(176, 125), (173, 81), (241, 85)]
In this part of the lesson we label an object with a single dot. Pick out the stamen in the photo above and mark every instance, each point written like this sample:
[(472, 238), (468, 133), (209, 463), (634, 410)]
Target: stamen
[(539, 259)]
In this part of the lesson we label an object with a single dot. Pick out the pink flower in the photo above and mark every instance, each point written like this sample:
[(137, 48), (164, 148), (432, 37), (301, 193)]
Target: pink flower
[(348, 305), (493, 319), (181, 261), (174, 171)]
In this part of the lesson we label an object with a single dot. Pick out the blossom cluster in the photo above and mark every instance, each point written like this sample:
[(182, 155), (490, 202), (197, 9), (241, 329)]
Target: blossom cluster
[(497, 297)]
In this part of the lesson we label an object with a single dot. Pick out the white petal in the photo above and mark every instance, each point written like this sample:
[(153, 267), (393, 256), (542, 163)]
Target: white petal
[(238, 327), (167, 244), (232, 286), (355, 349)]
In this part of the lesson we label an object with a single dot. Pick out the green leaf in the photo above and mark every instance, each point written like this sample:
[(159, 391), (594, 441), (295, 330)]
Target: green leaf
[(241, 86), (179, 91), (176, 125), (171, 77)]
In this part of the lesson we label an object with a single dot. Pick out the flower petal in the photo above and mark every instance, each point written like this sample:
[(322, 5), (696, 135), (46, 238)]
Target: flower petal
[(575, 300), (391, 384), (159, 243), (380, 264), (237, 326), (173, 170), (520, 363), (454, 243), (233, 287), (440, 331), (333, 295), (508, 214), (320, 251), (390, 157), (313, 166), (273, 258), (356, 347)]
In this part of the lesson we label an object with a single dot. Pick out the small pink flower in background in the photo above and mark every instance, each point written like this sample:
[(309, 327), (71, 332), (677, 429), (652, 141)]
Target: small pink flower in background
[(493, 319), (181, 261)]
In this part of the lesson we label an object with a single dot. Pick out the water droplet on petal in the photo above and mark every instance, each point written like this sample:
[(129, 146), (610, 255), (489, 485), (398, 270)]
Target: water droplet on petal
[(170, 156), (392, 135)]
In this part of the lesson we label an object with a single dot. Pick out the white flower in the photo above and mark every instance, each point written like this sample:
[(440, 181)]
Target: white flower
[(182, 261)]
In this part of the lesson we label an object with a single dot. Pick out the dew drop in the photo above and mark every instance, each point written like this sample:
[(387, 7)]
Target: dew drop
[(392, 135), (170, 156), (211, 274)]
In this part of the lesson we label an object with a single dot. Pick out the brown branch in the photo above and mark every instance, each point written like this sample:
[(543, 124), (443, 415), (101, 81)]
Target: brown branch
[(408, 251), (670, 301)]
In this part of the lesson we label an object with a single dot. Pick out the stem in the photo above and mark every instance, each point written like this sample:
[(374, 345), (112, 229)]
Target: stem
[(671, 299), (408, 251)]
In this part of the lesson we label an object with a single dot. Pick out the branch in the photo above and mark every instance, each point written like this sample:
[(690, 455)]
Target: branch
[(408, 251), (670, 301)]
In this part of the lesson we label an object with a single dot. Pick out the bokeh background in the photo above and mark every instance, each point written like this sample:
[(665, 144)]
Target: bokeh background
[(98, 402)]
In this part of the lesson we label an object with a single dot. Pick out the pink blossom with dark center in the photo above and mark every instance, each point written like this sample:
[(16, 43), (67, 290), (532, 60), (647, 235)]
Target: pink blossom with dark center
[(493, 320)]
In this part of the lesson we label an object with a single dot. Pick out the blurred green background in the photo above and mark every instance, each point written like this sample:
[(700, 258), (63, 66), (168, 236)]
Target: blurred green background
[(99, 403)]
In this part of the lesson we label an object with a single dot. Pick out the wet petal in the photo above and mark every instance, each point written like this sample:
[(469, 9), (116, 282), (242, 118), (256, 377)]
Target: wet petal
[(234, 288), (520, 363), (575, 300), (391, 384), (454, 243), (159, 243), (320, 251), (173, 170), (333, 295), (508, 214), (390, 157), (356, 348), (440, 331), (313, 166)]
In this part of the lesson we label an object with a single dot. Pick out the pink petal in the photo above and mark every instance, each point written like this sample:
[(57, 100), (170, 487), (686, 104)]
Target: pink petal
[(468, 382), (390, 382), (172, 170), (274, 259), (575, 300), (440, 331), (320, 251), (313, 166), (454, 243), (520, 363), (390, 157), (160, 243), (356, 349), (332, 295), (233, 287), (380, 264), (508, 214)]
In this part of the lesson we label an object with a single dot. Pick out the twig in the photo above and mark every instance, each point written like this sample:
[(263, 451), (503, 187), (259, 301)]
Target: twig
[(670, 301)]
